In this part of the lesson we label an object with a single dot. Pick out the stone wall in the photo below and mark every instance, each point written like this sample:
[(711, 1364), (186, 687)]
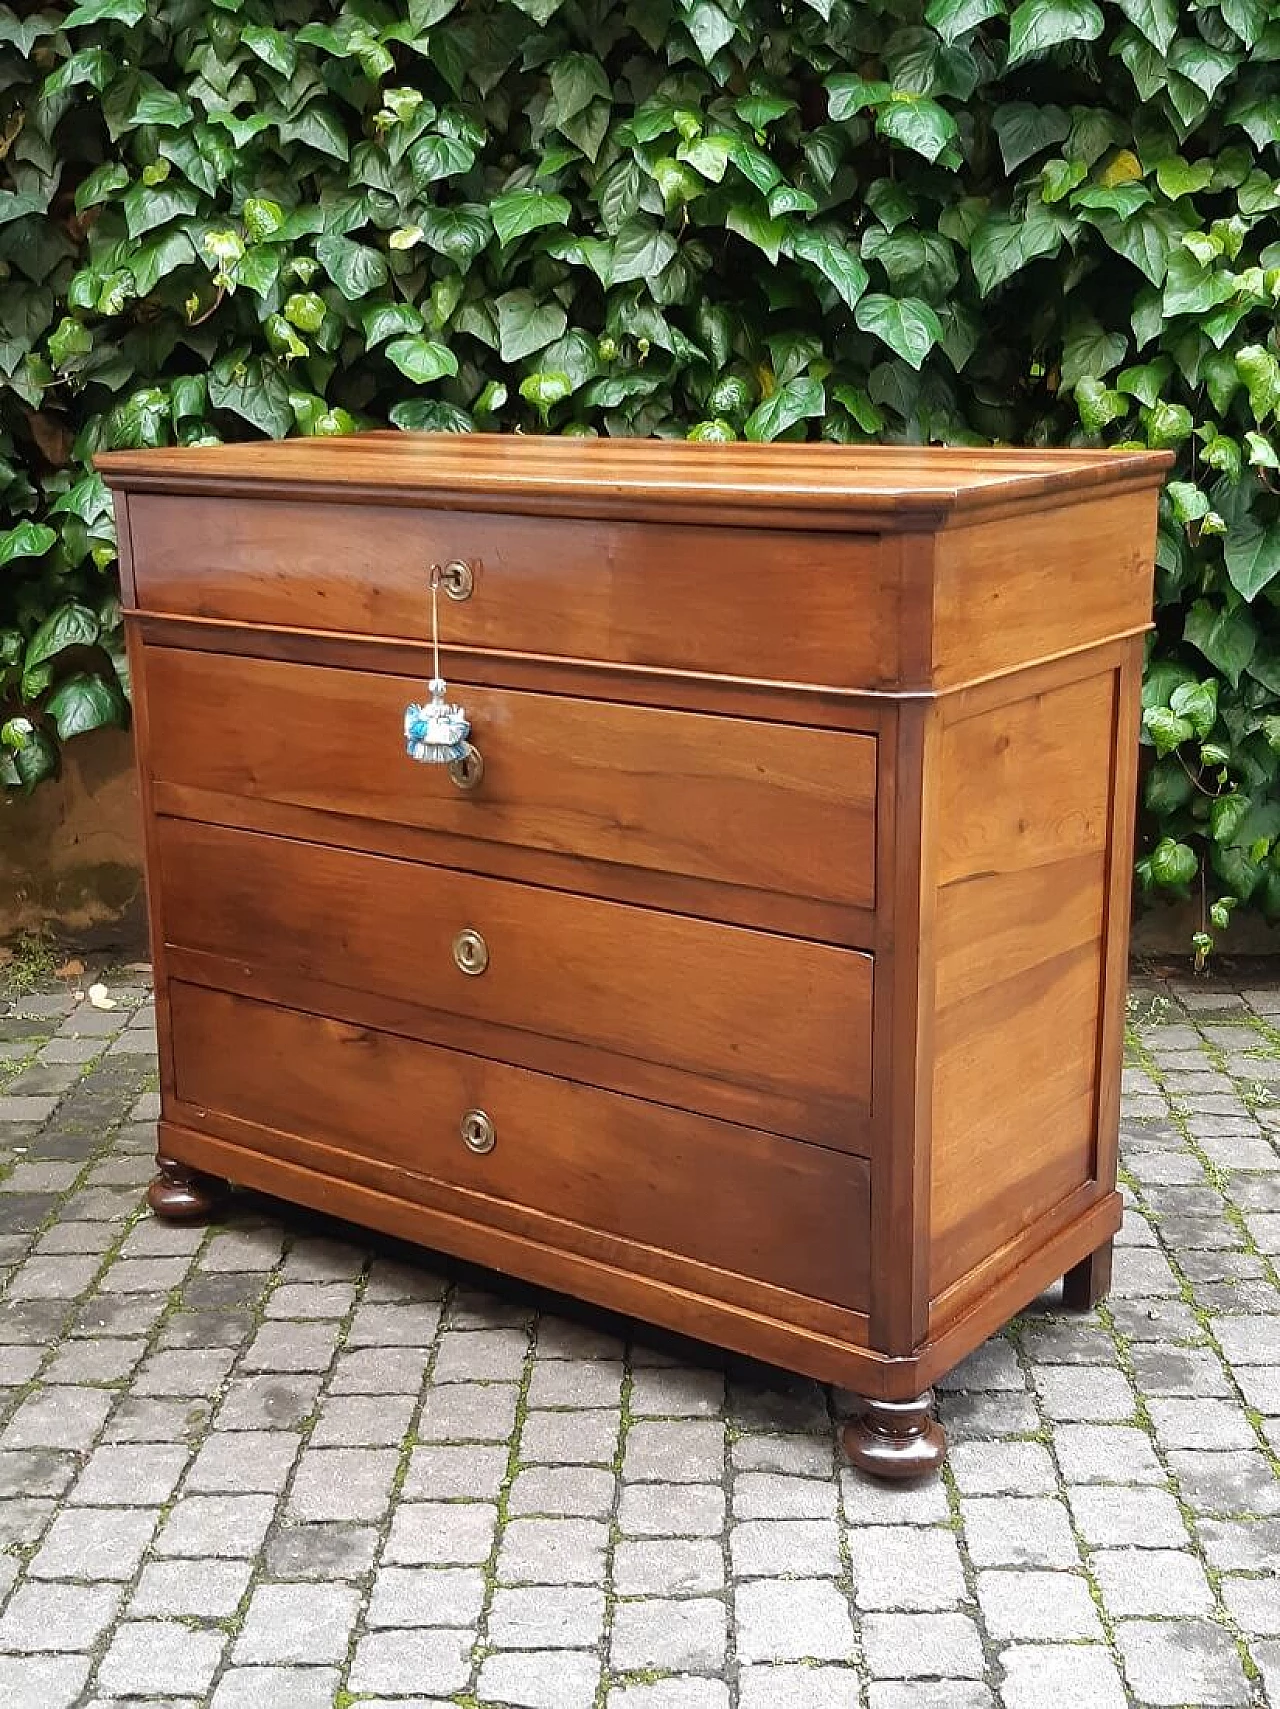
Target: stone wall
[(71, 853)]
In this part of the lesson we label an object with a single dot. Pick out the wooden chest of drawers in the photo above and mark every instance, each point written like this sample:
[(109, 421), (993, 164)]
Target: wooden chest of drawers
[(760, 972)]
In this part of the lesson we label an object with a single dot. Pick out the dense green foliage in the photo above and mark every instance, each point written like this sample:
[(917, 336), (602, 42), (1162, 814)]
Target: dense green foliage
[(1054, 222)]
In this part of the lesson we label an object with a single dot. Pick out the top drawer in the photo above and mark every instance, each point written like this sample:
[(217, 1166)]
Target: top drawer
[(784, 607)]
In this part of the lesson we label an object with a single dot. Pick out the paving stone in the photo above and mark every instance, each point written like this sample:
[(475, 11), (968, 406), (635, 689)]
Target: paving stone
[(42, 1682), (53, 1278), (280, 1347), (1146, 1518), (675, 1451), (1105, 1454), (378, 1370), (58, 1418), (766, 1495), (343, 1483), (548, 1617), (1030, 1531), (906, 1567), (311, 1299), (801, 1548), (148, 1657), (781, 1620), (1254, 1605), (431, 1533), (670, 1510), (929, 1694), (35, 1471), (191, 1371), (200, 1525), (243, 1461), (95, 1543), (117, 1475), (672, 1566), (481, 1355), (1002, 1468), (553, 1551), (570, 1438), (558, 1679), (297, 1623), (268, 1403), (137, 1420), (420, 1596), (786, 1686), (869, 1502), (324, 1551), (1240, 1545), (1181, 1662), (276, 1688), (1038, 1675), (1037, 1605), (57, 1617), (362, 1421), (107, 1361), (1226, 1483), (1136, 1582), (688, 1635), (671, 1694), (1201, 1424), (905, 1646), (571, 1491), (208, 1589), (794, 1456), (1190, 1371)]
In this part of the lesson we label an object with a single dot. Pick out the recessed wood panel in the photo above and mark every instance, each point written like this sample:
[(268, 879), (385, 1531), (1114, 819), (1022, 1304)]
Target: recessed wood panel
[(788, 1214), (771, 1031), (1022, 826), (809, 608), (734, 801)]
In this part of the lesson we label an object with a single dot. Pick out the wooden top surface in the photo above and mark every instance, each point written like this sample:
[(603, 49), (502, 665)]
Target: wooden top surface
[(843, 486)]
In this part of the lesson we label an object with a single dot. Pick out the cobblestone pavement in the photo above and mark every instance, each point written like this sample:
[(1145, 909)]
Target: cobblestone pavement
[(280, 1464)]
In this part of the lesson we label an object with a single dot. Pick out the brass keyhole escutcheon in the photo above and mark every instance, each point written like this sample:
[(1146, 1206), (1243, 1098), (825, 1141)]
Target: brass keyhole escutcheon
[(470, 952), (468, 772), (457, 579), (477, 1132)]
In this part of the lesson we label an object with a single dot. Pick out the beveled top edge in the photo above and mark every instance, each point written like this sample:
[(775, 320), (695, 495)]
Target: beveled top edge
[(876, 482)]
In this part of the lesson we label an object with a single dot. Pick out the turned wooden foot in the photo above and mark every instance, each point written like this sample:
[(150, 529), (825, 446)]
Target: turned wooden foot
[(180, 1194), (896, 1439), (1089, 1281)]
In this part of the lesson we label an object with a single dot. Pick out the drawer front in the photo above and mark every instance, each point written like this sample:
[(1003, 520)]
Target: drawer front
[(807, 608), (747, 1026), (793, 1215), (761, 807)]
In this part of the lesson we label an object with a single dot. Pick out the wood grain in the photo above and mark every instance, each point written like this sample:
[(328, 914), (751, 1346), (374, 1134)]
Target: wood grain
[(776, 1031), (736, 801), (794, 1216)]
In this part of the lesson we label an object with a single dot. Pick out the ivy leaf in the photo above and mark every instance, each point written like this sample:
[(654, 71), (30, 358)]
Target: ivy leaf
[(127, 12), (1157, 19), (385, 320), (578, 79), (640, 251), (354, 268), (27, 540), (1002, 246), (824, 248), (1039, 25), (908, 326), (459, 232), (955, 18), (526, 325), (757, 227), (1167, 730), (918, 124), (1173, 864), (272, 47), (84, 703), (1091, 352), (1252, 554), (523, 211), (1227, 639), (1197, 702), (68, 625), (791, 403), (421, 359)]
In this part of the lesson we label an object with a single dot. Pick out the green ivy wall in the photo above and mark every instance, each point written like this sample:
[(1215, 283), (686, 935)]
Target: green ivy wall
[(1055, 223)]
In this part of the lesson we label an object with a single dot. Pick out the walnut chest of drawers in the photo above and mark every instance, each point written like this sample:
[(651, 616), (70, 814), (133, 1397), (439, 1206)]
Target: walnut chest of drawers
[(759, 972)]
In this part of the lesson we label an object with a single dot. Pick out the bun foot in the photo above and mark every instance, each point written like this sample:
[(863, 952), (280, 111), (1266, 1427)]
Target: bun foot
[(896, 1439), (181, 1194)]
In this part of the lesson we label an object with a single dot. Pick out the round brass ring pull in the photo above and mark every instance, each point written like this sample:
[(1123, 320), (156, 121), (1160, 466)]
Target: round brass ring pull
[(458, 579), (470, 952), (468, 772), (477, 1132)]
